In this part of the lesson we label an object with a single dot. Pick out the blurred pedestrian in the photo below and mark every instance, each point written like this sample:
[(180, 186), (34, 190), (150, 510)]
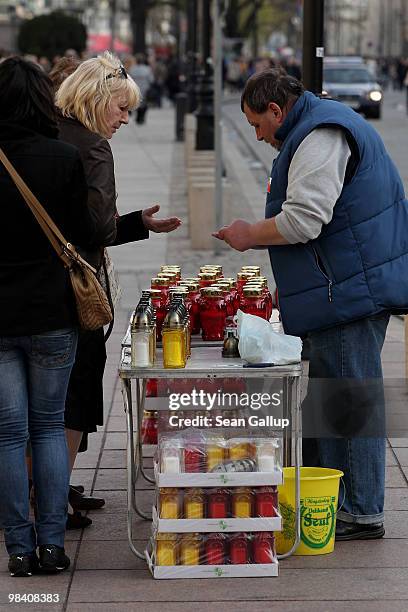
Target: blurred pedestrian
[(94, 103), (142, 74), (38, 323)]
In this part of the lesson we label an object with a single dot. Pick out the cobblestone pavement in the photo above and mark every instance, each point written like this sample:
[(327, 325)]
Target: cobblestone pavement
[(104, 575)]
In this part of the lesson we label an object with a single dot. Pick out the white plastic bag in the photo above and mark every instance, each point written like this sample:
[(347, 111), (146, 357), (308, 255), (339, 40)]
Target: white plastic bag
[(258, 343)]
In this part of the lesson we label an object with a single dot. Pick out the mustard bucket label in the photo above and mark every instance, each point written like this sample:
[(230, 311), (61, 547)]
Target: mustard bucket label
[(318, 518)]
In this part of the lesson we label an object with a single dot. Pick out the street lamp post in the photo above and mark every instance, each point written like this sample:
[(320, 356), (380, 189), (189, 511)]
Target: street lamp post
[(205, 91), (192, 55), (313, 45)]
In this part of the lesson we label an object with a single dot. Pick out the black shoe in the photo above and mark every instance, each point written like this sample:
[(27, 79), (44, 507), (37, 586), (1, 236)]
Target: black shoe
[(77, 521), (79, 488), (53, 559), (356, 531), (84, 502), (22, 565)]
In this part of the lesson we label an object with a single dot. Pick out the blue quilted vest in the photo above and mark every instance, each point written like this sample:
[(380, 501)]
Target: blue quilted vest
[(358, 265)]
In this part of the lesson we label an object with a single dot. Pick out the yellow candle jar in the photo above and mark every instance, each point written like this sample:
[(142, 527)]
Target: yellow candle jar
[(190, 549), (239, 450), (242, 503), (166, 549), (194, 504), (169, 504), (215, 455), (174, 347)]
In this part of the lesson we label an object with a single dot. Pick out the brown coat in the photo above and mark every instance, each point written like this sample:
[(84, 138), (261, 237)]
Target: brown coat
[(111, 228)]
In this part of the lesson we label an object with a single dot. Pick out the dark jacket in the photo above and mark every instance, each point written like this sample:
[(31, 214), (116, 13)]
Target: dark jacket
[(111, 228), (35, 291), (357, 266)]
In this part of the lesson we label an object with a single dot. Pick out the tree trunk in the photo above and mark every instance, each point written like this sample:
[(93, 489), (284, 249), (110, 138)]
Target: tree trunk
[(138, 16), (232, 20)]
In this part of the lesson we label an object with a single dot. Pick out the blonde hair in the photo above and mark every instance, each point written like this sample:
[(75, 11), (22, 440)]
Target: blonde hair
[(87, 93)]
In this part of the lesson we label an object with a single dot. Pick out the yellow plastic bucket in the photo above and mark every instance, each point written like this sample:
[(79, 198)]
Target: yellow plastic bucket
[(319, 492)]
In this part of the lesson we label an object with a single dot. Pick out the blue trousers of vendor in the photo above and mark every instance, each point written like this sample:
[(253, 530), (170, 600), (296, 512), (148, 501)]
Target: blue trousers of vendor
[(336, 227)]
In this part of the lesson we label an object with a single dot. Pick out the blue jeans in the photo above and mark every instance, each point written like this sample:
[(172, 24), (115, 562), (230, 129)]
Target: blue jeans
[(34, 375), (346, 398)]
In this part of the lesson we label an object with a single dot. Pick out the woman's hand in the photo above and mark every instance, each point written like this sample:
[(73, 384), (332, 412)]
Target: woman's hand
[(158, 225)]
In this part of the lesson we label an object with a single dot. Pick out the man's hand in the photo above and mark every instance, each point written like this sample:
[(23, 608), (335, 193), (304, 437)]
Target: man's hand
[(237, 235), (158, 225)]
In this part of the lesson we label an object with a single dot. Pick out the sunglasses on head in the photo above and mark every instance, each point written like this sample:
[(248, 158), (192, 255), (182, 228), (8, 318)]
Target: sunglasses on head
[(119, 72)]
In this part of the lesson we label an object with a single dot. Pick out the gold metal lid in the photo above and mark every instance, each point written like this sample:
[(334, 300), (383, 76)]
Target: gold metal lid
[(151, 292), (211, 292), (252, 291), (191, 279), (178, 289), (171, 275), (173, 320), (245, 275), (261, 282), (211, 267), (170, 267), (160, 280), (166, 536), (207, 275), (191, 285), (251, 269)]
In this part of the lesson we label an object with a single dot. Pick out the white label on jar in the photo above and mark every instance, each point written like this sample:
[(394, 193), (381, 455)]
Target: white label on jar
[(266, 463), (140, 352), (170, 464)]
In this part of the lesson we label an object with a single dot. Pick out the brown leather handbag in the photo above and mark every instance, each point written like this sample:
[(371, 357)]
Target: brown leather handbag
[(92, 305)]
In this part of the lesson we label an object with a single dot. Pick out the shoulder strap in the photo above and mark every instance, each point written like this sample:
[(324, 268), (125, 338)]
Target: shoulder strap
[(65, 250)]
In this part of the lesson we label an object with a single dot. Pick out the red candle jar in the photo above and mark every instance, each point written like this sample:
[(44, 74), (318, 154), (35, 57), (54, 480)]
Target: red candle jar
[(264, 547), (239, 549), (228, 298), (162, 284), (149, 428), (194, 311), (266, 501), (218, 504), (151, 387), (234, 293), (194, 457), (242, 278), (159, 303), (253, 302), (212, 314), (206, 279), (215, 550), (262, 282), (162, 387)]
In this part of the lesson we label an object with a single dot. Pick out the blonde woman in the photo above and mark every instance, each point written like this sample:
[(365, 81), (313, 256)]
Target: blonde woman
[(94, 102)]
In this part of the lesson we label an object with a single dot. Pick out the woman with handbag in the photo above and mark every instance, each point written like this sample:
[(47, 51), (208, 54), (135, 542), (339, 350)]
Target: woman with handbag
[(94, 102), (38, 320)]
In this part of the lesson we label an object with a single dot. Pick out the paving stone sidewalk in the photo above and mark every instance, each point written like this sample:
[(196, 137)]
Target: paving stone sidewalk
[(368, 576)]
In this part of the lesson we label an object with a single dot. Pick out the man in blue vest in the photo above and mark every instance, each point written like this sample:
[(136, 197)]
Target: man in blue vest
[(336, 227)]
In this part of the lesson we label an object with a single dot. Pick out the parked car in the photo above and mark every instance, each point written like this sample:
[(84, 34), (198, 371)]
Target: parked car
[(348, 80)]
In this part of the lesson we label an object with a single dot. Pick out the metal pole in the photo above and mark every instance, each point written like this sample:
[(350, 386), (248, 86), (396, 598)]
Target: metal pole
[(313, 45), (218, 119), (112, 25), (205, 110), (192, 45)]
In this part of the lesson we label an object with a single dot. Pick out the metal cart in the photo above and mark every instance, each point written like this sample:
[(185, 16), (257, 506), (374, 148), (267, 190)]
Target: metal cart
[(205, 362)]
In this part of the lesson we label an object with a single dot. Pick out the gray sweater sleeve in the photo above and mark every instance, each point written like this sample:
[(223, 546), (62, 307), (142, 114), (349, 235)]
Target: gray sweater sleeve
[(315, 181)]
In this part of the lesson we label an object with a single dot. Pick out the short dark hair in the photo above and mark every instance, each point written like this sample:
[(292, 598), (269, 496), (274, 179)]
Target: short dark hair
[(271, 85), (27, 96)]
